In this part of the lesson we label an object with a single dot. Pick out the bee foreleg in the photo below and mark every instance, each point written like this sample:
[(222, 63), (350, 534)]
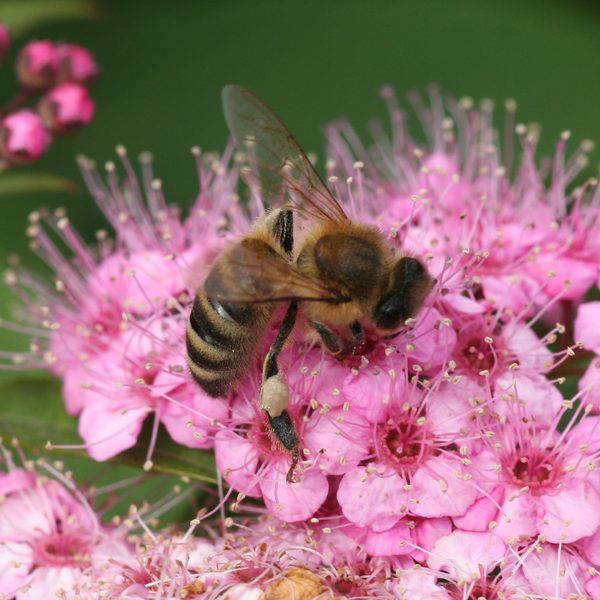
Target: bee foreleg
[(274, 393), (330, 338), (357, 331)]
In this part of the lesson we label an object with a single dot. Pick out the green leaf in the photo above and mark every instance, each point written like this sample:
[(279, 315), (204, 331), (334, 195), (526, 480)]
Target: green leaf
[(13, 183), (23, 15), (32, 411)]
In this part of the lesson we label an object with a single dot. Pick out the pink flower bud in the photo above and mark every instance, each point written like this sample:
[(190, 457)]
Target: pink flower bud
[(38, 65), (66, 107), (4, 41), (23, 137), (77, 64)]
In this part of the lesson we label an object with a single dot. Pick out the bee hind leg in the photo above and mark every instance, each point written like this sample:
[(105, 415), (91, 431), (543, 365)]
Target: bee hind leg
[(284, 429), (274, 393)]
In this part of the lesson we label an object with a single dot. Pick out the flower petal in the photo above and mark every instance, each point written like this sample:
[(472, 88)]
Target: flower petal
[(570, 514), (464, 553), (292, 501), (237, 460), (373, 496), (107, 430), (339, 439), (586, 326), (440, 489)]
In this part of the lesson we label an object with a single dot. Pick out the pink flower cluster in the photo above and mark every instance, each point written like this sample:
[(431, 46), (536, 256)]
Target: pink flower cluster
[(53, 543), (432, 466), (51, 540), (57, 76), (112, 326)]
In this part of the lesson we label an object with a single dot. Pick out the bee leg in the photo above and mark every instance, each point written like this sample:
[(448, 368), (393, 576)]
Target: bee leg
[(274, 393), (329, 338), (270, 366), (357, 331), (284, 429)]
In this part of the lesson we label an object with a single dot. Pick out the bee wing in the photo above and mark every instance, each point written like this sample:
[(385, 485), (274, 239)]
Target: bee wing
[(275, 155), (254, 277)]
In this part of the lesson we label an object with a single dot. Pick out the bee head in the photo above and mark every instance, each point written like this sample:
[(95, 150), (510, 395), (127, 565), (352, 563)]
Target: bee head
[(409, 285)]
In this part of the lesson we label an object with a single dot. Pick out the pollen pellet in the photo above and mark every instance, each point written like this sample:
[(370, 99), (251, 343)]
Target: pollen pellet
[(274, 395), (297, 583)]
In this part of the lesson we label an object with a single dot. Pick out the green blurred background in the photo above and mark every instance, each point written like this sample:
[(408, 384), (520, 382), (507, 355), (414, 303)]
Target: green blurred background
[(164, 64)]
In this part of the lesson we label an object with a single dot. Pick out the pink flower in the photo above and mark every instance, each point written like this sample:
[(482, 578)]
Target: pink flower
[(253, 462), (50, 539), (586, 332), (38, 64), (113, 327), (142, 372), (66, 107), (59, 72), (544, 476), (417, 470), (77, 64), (23, 137)]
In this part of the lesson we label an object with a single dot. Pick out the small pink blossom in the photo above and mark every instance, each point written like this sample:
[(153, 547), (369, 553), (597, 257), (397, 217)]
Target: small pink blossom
[(50, 539), (416, 584), (338, 438), (77, 64), (253, 462), (23, 137), (544, 475), (66, 107), (141, 373), (38, 64)]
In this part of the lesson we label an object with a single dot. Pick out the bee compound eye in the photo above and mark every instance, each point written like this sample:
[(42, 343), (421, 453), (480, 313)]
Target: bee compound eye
[(391, 312)]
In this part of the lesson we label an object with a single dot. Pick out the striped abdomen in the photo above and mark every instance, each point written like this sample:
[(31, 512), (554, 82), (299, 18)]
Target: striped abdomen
[(222, 334), (221, 339)]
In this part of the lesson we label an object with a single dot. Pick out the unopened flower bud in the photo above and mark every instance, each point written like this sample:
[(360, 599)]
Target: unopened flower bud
[(23, 137), (38, 65), (4, 41), (66, 107), (76, 64)]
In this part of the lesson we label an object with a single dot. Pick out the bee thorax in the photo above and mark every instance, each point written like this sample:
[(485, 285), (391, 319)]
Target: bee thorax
[(274, 395)]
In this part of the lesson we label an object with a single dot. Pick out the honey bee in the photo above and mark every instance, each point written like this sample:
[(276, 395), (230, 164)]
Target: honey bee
[(343, 276)]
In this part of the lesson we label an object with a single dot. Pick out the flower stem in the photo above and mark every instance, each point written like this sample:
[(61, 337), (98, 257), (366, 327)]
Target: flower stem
[(21, 97)]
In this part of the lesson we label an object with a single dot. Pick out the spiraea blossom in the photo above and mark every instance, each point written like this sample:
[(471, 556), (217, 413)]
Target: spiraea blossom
[(52, 543), (445, 462), (53, 99)]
